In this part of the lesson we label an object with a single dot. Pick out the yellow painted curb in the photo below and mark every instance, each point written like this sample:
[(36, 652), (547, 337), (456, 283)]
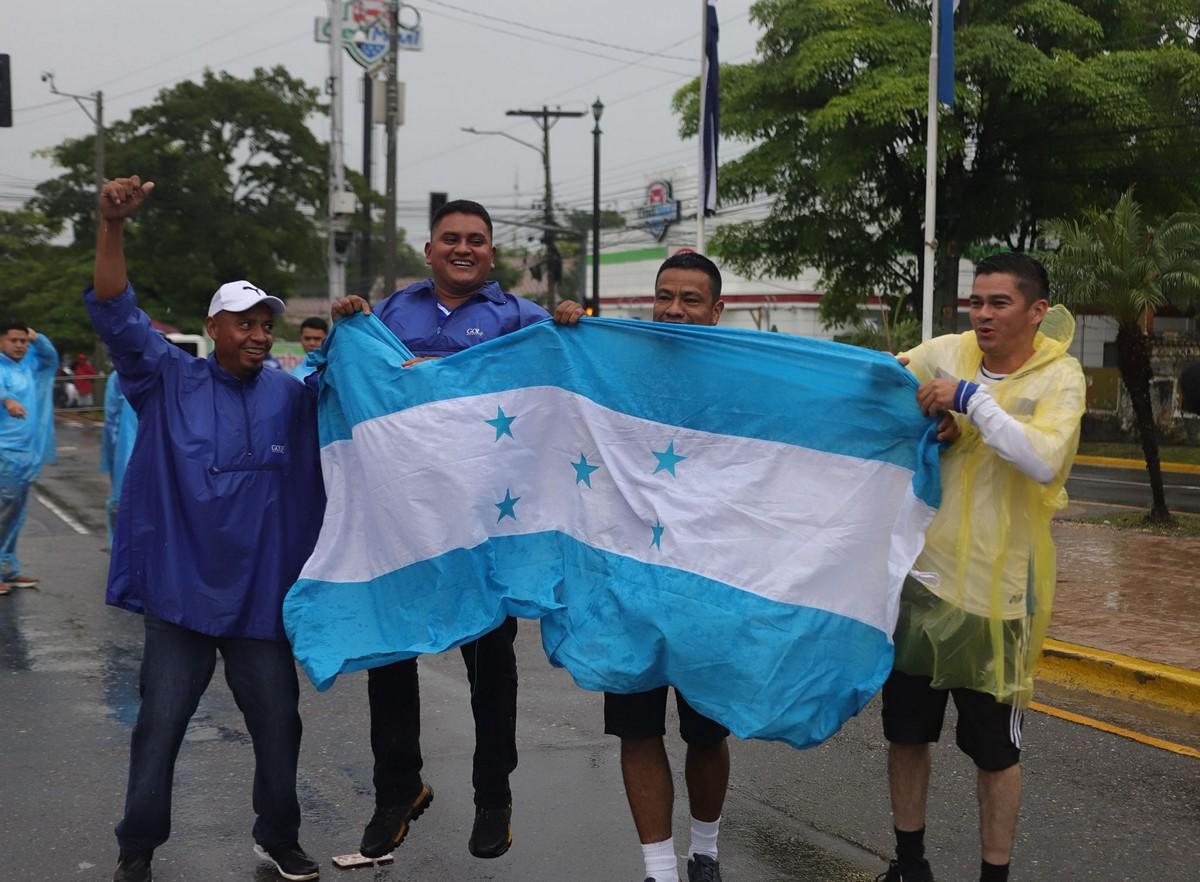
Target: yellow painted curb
[(1181, 468), (1120, 676)]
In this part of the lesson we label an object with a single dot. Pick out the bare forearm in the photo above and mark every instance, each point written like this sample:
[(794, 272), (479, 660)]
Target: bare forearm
[(109, 276), (119, 199)]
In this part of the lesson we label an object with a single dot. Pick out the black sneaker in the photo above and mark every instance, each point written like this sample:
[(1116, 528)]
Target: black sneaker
[(919, 873), (133, 866), (702, 868), (389, 825), (290, 860), (492, 834)]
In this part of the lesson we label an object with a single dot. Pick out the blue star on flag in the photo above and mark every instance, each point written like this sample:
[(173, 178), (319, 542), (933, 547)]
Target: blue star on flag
[(657, 530), (583, 471), (507, 506), (668, 459), (502, 423)]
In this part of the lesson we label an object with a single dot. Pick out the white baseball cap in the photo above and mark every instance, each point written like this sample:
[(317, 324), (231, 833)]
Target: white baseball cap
[(241, 295)]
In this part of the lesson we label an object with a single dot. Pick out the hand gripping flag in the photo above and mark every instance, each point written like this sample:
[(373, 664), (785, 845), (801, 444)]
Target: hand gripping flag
[(728, 511)]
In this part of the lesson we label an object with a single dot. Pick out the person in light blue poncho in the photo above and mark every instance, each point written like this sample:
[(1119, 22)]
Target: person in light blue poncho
[(313, 331), (120, 431), (26, 434)]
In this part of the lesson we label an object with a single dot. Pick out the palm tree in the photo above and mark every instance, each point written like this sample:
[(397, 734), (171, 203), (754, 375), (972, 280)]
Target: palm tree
[(1114, 261)]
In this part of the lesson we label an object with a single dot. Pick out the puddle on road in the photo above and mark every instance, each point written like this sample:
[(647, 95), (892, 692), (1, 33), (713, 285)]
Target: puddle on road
[(1127, 592)]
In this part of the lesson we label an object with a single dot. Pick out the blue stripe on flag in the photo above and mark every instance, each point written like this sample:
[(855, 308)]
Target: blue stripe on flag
[(762, 668), (811, 393)]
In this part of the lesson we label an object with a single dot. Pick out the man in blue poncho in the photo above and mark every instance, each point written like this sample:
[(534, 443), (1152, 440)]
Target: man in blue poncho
[(26, 434), (221, 505)]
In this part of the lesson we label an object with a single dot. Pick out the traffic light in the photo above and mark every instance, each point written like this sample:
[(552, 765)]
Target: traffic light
[(5, 92), (436, 201)]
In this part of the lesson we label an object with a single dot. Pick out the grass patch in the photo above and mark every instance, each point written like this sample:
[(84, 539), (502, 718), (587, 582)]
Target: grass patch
[(1171, 453), (1181, 525)]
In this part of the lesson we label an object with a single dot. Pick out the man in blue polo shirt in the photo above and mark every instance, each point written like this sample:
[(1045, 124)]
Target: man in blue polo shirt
[(221, 506), (455, 309)]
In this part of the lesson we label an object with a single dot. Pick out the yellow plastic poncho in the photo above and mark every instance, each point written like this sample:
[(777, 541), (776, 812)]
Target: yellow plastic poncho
[(976, 610)]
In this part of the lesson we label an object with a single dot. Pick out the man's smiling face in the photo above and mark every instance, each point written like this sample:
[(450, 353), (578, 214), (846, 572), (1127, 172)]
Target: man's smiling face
[(460, 254)]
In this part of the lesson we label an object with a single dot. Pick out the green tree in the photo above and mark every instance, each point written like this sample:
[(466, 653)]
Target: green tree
[(241, 180), (1114, 261), (40, 281), (574, 285), (1060, 105)]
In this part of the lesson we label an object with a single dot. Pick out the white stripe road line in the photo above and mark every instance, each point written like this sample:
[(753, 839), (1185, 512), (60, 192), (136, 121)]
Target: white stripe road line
[(62, 515)]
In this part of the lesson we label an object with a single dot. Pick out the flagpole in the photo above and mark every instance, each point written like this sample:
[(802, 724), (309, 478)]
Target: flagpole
[(701, 195), (930, 181)]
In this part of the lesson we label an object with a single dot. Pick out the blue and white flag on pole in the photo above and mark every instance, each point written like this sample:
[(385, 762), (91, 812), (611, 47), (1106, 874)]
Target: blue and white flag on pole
[(731, 512), (710, 110), (945, 71)]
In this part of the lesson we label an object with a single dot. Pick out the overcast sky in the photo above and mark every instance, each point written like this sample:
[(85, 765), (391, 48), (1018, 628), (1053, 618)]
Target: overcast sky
[(469, 73)]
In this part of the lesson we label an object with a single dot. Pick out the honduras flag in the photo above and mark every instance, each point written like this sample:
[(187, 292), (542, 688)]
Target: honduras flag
[(728, 511)]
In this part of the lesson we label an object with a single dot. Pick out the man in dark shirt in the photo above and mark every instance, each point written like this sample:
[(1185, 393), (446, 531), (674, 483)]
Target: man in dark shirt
[(454, 309)]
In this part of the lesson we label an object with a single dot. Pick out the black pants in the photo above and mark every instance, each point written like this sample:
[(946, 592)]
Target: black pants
[(394, 694)]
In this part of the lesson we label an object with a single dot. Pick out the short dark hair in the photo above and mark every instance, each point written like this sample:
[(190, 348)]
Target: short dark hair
[(694, 260), (7, 325), (316, 323), (461, 206), (1032, 279)]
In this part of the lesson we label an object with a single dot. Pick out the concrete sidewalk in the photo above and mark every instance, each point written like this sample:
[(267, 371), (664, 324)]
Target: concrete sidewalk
[(1126, 619)]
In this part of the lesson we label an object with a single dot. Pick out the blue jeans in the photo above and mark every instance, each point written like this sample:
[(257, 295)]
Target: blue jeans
[(177, 665), (14, 499)]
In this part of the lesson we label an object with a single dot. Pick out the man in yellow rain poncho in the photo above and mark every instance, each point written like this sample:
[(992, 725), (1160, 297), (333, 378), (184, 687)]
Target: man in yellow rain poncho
[(974, 612)]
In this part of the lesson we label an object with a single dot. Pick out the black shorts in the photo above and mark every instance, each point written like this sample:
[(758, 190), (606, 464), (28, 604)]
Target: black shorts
[(988, 731), (644, 715)]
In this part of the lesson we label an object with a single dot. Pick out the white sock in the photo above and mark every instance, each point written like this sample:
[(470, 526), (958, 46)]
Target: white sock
[(661, 863), (704, 837)]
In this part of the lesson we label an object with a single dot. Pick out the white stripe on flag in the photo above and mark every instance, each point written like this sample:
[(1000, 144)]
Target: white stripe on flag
[(779, 521)]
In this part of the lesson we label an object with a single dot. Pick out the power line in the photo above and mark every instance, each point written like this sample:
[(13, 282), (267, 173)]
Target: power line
[(575, 37), (542, 42)]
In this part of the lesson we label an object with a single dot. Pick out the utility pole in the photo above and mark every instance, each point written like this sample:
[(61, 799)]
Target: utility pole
[(546, 119), (97, 99), (337, 170), (393, 100), (366, 277), (597, 112)]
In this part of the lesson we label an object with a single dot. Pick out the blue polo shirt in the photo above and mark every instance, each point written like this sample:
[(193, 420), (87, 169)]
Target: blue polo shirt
[(223, 498), (427, 327)]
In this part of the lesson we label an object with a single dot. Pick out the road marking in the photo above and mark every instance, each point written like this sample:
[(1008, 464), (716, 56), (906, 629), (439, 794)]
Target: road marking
[(1150, 740), (66, 449), (1138, 464), (63, 516), (1085, 480)]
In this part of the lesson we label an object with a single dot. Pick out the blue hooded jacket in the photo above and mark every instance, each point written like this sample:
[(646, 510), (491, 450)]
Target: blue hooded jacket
[(223, 497)]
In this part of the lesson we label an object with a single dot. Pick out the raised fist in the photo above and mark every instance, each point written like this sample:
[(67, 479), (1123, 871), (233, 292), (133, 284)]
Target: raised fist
[(120, 197)]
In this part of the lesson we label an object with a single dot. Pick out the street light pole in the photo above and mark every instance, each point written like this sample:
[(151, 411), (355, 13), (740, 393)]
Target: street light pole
[(392, 117), (597, 111), (97, 98), (337, 172)]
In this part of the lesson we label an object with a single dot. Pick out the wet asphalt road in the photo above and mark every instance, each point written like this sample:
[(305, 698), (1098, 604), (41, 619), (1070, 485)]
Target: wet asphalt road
[(1132, 487), (1096, 806)]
